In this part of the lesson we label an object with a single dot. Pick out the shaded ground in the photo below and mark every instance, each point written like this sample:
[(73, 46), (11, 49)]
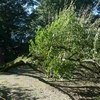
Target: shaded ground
[(31, 85)]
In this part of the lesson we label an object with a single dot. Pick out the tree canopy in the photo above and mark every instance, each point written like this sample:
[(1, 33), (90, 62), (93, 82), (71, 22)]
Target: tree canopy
[(12, 18), (48, 9), (14, 26)]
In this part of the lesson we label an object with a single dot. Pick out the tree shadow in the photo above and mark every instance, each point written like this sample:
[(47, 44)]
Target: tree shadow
[(33, 74), (74, 92), (15, 94), (84, 92)]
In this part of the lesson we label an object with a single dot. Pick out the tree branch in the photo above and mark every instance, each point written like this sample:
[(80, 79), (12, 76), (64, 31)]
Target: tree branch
[(72, 55), (88, 68), (2, 98), (60, 47), (20, 61), (91, 61)]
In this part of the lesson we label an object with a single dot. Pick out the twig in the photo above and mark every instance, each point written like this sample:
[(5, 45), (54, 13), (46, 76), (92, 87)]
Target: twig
[(2, 98), (72, 55), (86, 67), (91, 61)]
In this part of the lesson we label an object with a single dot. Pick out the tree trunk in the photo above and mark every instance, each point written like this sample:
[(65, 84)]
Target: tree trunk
[(10, 65), (20, 61)]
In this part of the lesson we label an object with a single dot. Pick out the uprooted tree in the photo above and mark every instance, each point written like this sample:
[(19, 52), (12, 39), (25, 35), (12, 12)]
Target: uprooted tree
[(70, 44)]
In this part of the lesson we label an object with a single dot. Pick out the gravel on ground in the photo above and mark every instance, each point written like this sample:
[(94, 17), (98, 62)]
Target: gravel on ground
[(27, 86)]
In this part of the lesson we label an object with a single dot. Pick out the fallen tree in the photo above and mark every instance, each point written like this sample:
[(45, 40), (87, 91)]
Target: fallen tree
[(61, 48), (35, 64), (20, 61)]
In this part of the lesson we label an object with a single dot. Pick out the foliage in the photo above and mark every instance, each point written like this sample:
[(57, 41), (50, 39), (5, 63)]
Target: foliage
[(98, 98), (14, 25), (64, 44), (48, 9), (13, 19)]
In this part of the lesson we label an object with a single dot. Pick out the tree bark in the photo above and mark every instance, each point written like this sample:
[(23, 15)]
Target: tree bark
[(10, 65), (91, 61), (20, 61)]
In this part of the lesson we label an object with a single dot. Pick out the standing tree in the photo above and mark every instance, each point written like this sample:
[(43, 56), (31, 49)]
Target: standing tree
[(48, 9), (13, 19)]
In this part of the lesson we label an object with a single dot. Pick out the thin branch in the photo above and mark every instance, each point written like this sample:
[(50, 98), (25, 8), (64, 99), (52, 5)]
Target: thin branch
[(88, 68), (91, 61), (2, 98), (61, 47), (72, 55)]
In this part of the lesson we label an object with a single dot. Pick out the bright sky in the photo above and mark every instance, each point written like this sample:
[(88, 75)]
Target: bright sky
[(29, 9)]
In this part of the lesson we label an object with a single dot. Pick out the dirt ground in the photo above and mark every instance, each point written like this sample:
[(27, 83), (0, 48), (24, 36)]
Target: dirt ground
[(31, 85)]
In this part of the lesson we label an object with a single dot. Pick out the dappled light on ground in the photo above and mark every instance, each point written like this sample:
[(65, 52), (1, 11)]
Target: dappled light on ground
[(31, 85), (26, 86)]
